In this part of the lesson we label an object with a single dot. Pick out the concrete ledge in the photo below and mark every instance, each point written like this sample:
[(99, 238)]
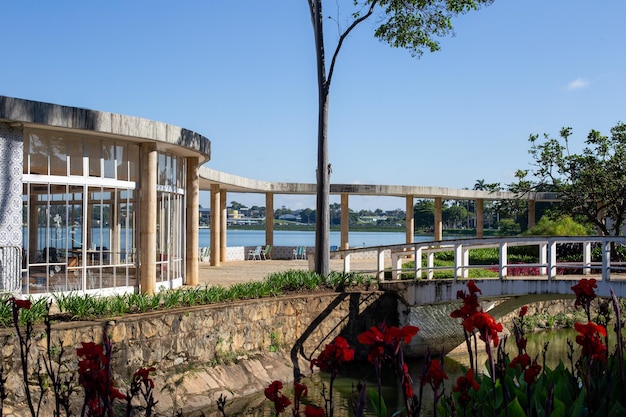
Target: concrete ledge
[(56, 116)]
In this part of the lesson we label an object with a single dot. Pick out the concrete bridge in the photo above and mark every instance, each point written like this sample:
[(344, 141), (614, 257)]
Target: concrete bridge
[(427, 302)]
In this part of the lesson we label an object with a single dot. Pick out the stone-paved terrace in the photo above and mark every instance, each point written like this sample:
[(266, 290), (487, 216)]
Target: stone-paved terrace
[(229, 273)]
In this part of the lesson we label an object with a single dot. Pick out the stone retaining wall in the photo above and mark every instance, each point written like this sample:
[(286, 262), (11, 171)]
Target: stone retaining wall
[(202, 352)]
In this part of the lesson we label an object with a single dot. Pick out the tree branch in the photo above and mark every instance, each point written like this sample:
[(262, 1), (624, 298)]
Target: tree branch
[(344, 36)]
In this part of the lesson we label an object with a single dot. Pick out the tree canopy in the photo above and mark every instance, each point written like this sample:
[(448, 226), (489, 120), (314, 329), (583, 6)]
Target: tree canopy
[(590, 184)]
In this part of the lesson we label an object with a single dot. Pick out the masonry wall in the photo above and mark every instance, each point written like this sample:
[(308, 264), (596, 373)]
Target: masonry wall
[(234, 349)]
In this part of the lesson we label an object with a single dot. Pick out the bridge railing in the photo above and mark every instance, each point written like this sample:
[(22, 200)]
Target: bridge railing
[(545, 248)]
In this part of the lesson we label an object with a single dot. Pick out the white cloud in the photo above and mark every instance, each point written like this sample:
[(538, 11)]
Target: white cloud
[(577, 84)]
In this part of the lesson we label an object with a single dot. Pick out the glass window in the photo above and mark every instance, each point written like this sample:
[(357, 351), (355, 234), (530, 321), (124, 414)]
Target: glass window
[(37, 154), (75, 148), (162, 169), (122, 162), (94, 151), (108, 157), (133, 160), (58, 156)]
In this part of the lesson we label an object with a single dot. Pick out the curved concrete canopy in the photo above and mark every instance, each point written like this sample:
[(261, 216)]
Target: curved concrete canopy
[(233, 183), (183, 142)]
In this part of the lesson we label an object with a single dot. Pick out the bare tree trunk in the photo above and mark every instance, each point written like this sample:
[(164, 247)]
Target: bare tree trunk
[(322, 224)]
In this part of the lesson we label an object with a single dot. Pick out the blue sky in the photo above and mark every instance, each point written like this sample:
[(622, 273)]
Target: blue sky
[(243, 74)]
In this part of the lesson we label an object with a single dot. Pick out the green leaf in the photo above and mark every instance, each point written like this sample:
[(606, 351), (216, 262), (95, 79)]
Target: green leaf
[(372, 394), (617, 410), (513, 409), (578, 407), (559, 409)]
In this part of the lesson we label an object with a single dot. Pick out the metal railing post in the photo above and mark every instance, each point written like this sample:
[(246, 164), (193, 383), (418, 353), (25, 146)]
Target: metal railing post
[(381, 264), (551, 259), (606, 260), (503, 259), (431, 264), (418, 262), (586, 258), (543, 258)]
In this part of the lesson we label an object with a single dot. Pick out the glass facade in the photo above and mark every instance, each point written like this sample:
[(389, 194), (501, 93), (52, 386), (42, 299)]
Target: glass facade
[(81, 213)]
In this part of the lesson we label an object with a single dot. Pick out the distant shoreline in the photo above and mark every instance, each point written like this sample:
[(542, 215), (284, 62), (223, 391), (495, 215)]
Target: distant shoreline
[(357, 228)]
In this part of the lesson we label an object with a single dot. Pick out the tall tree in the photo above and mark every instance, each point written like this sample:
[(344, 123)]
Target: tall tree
[(589, 184), (411, 24)]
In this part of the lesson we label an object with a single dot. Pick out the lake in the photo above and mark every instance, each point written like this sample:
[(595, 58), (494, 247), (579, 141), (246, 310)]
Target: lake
[(240, 237)]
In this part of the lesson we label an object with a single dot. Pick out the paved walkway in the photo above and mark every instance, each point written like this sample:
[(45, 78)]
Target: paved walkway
[(233, 272)]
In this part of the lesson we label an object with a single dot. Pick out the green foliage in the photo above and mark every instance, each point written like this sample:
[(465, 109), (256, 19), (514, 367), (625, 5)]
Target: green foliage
[(589, 184), (508, 227), (563, 226), (415, 24)]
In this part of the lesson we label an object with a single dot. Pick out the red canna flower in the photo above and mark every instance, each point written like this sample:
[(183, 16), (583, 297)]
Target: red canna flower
[(434, 375), (386, 341), (473, 289), (143, 375), (464, 384), (94, 377), (272, 393), (523, 360), (17, 303), (485, 324), (300, 390), (313, 411), (584, 291), (591, 341), (523, 311), (470, 302), (334, 355), (407, 381), (532, 372)]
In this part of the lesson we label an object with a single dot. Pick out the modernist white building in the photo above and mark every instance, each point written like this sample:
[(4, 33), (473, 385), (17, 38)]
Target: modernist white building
[(95, 201)]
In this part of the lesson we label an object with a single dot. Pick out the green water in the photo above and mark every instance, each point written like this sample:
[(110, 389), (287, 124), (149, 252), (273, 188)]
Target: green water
[(454, 366)]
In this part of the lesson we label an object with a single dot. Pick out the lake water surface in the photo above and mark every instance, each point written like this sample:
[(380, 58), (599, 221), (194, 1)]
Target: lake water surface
[(240, 237)]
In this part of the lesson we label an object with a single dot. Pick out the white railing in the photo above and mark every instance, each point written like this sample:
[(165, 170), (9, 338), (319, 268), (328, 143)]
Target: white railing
[(546, 248)]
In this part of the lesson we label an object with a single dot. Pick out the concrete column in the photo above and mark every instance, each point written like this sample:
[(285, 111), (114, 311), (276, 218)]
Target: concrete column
[(438, 217), (480, 218), (345, 220), (223, 225), (269, 219), (216, 212), (148, 218), (193, 217), (531, 213), (409, 219)]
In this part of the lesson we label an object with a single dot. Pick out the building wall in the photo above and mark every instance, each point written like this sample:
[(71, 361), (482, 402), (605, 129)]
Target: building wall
[(11, 163)]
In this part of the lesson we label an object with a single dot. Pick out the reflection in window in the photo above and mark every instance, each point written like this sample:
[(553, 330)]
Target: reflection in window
[(75, 148), (37, 155), (58, 156)]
